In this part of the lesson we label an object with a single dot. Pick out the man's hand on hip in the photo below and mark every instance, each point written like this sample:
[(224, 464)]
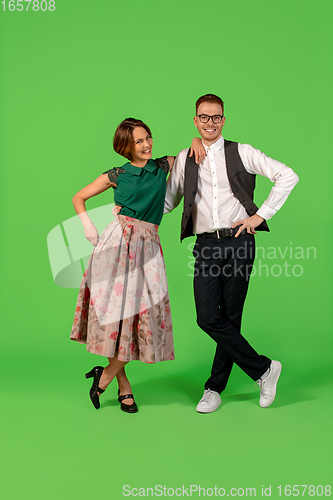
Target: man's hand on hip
[(249, 224)]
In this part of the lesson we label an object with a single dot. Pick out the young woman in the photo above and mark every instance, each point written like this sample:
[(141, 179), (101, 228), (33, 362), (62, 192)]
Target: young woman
[(123, 309)]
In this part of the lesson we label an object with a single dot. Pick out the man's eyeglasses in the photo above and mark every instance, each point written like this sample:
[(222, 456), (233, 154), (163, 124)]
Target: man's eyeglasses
[(205, 118)]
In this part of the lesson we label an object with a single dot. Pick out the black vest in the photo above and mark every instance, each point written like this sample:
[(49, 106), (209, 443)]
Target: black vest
[(241, 182)]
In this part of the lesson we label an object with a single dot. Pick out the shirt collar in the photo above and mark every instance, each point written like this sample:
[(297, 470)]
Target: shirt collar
[(150, 167), (219, 144)]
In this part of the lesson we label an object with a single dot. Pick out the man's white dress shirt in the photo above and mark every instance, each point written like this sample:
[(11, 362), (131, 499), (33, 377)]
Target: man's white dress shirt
[(215, 206)]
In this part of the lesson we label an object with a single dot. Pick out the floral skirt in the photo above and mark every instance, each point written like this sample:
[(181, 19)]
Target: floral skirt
[(123, 307)]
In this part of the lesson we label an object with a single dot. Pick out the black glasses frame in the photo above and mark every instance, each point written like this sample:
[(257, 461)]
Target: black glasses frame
[(212, 117)]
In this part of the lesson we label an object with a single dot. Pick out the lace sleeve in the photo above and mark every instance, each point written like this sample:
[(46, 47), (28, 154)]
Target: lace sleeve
[(113, 175), (163, 164)]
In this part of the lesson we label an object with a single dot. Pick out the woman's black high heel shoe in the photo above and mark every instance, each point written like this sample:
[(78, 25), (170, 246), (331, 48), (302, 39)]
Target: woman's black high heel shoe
[(96, 373), (128, 408)]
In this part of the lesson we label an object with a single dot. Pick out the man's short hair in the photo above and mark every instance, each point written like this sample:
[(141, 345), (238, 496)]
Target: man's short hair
[(211, 98), (123, 138)]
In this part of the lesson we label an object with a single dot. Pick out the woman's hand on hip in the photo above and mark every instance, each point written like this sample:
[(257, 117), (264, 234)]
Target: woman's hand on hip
[(91, 233), (116, 209)]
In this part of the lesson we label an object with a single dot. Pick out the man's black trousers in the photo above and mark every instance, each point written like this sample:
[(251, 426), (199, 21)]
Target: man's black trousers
[(221, 277)]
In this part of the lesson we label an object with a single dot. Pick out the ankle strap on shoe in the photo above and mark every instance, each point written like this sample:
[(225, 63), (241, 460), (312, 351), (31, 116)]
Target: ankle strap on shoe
[(127, 396), (98, 389)]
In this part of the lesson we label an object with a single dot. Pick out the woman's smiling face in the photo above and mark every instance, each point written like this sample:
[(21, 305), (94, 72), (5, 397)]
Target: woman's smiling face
[(142, 148)]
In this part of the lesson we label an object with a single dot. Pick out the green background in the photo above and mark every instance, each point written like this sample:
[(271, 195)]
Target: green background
[(68, 78)]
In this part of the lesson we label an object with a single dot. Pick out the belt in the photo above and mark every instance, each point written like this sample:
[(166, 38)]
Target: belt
[(225, 232)]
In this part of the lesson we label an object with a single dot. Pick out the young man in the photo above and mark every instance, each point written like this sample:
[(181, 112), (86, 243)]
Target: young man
[(219, 209)]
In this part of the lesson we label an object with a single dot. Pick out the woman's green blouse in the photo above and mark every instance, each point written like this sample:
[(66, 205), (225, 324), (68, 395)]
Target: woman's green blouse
[(141, 190)]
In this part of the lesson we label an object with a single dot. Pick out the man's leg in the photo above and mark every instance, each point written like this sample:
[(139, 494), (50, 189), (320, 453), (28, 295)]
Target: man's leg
[(220, 372), (220, 286), (238, 254), (208, 286)]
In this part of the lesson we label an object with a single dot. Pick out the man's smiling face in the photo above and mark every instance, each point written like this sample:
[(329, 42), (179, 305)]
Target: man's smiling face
[(210, 132)]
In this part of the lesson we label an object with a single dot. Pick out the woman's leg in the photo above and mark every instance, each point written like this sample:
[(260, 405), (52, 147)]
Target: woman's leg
[(116, 368), (124, 386), (110, 372)]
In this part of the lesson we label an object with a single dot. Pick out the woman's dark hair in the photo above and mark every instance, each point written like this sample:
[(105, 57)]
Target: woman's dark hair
[(123, 138)]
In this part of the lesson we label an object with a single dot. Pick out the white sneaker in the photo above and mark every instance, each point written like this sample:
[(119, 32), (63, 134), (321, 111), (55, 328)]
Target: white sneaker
[(209, 402), (268, 385)]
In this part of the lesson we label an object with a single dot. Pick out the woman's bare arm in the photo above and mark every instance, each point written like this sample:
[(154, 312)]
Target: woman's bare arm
[(196, 148), (171, 160), (99, 185)]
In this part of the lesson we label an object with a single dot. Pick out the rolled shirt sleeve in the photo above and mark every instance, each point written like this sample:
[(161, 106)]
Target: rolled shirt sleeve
[(284, 178)]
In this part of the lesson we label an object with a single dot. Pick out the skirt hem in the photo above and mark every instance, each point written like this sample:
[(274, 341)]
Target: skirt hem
[(121, 358)]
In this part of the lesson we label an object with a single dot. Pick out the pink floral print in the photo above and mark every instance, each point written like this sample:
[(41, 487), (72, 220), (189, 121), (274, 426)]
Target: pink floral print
[(112, 297)]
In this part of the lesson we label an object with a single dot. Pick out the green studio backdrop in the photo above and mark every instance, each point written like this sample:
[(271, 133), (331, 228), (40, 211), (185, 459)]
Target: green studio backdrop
[(69, 75)]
